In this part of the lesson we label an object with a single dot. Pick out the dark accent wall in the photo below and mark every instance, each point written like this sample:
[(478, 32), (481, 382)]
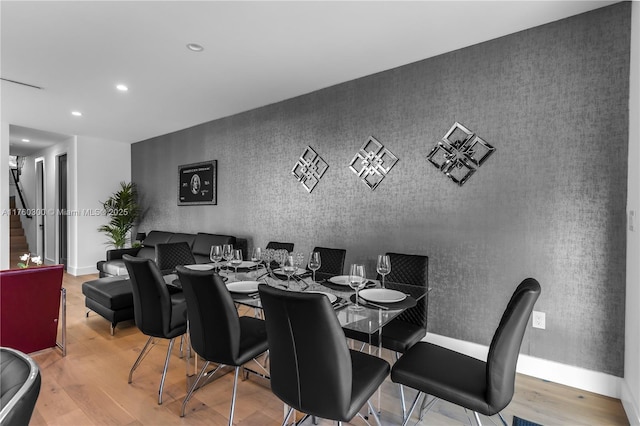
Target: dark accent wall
[(550, 203)]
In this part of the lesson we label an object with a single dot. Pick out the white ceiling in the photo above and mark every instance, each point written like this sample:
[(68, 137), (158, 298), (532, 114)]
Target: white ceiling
[(256, 53)]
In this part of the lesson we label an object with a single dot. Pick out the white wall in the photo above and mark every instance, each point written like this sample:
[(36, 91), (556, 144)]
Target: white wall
[(4, 195), (102, 165), (631, 383)]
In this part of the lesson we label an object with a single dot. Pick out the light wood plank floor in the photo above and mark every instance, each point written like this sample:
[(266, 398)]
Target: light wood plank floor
[(89, 387)]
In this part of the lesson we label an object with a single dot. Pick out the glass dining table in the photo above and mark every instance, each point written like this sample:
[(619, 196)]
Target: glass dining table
[(370, 320)]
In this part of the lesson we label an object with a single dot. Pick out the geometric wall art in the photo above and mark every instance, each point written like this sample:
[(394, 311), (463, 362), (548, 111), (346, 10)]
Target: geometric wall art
[(372, 163), (459, 154), (309, 169)]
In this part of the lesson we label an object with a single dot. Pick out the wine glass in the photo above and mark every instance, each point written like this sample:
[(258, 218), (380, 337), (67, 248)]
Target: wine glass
[(267, 257), (236, 260), (314, 263), (216, 255), (356, 282), (227, 253), (256, 256), (289, 268), (384, 266)]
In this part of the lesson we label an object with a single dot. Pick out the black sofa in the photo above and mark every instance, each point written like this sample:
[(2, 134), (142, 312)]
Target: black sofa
[(111, 295), (200, 244)]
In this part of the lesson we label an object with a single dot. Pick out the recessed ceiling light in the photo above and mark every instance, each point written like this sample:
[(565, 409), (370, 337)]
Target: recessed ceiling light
[(122, 87), (76, 113), (26, 140), (195, 47)]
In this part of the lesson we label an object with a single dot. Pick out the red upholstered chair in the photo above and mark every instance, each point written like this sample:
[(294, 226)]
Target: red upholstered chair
[(30, 308)]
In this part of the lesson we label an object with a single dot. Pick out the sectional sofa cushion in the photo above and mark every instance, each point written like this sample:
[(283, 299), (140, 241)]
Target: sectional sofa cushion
[(203, 242)]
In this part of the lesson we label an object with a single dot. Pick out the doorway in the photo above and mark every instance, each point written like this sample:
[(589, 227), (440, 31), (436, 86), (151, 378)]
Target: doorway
[(62, 211), (40, 208)]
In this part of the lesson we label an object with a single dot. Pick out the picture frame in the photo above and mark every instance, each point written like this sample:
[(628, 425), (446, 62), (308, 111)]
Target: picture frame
[(197, 183)]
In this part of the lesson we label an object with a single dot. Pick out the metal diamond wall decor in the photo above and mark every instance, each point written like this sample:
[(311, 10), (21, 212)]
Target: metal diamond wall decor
[(372, 162), (309, 169), (459, 154)]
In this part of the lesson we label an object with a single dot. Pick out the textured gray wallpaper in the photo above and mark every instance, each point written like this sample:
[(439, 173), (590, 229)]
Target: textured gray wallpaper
[(549, 203)]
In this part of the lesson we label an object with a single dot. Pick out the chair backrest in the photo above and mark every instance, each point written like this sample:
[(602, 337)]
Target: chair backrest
[(170, 255), (411, 269), (214, 325), (151, 300), (310, 362), (331, 260), (20, 383), (505, 346), (280, 246)]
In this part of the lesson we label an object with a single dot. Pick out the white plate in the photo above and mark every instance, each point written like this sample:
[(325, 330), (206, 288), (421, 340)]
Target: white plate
[(243, 286), (279, 271), (200, 267), (382, 295), (332, 297), (340, 280)]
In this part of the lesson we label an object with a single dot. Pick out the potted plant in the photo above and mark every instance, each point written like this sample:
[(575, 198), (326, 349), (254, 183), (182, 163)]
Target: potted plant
[(122, 209)]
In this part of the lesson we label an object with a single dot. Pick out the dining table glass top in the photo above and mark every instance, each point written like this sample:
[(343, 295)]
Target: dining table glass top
[(243, 289)]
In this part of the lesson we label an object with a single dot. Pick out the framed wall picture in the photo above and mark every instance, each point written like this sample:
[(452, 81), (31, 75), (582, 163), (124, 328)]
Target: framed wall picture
[(197, 183)]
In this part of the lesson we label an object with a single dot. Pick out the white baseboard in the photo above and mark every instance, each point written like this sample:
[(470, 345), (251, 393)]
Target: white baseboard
[(580, 378), (630, 405), (86, 270)]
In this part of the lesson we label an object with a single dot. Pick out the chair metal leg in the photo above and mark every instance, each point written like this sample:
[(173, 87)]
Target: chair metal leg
[(425, 407), (504, 422), (475, 413), (413, 407), (375, 414), (164, 372), (140, 358), (402, 400), (286, 417), (233, 396), (193, 388)]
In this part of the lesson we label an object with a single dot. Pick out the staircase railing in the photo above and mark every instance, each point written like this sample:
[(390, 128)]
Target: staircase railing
[(16, 181)]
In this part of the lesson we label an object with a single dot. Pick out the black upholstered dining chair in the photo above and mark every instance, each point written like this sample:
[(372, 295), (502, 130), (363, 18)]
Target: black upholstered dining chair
[(331, 260), (312, 369), (157, 313), (275, 245), (483, 387), (409, 327), (170, 255), (217, 333), (20, 384)]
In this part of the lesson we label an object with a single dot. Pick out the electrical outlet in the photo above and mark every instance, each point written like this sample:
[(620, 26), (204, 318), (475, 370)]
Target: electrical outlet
[(632, 215), (539, 320)]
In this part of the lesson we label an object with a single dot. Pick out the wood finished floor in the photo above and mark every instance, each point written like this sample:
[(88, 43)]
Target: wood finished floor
[(89, 387)]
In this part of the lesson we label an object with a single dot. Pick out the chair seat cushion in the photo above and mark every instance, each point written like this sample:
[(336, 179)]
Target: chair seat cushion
[(115, 268), (253, 339), (368, 374), (445, 374), (114, 293)]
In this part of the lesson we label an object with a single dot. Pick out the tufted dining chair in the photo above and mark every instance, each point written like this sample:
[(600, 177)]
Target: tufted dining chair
[(410, 326), (331, 260), (217, 333), (312, 369), (483, 387), (275, 245), (157, 313), (170, 255)]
